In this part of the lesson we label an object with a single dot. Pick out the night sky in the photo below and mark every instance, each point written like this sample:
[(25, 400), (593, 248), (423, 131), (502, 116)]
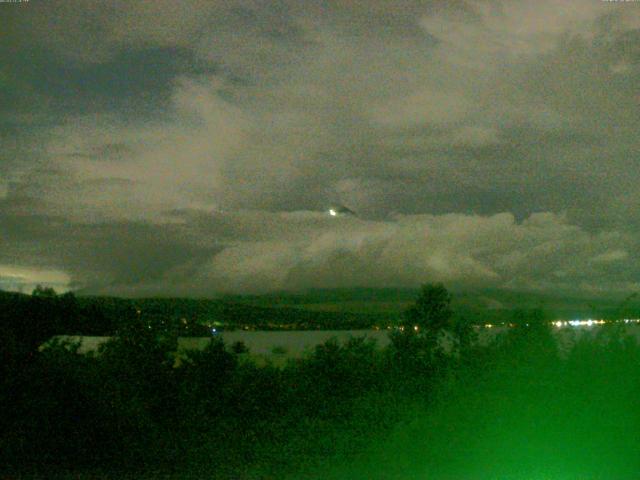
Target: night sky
[(195, 147)]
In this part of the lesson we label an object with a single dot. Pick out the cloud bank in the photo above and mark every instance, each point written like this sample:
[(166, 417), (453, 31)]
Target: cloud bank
[(192, 147)]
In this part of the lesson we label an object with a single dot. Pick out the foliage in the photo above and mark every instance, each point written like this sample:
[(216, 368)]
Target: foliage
[(345, 410), (239, 347), (432, 311)]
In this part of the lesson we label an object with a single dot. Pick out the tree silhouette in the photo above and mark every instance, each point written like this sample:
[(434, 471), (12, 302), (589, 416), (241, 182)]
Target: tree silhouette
[(239, 347), (418, 348), (46, 292), (431, 312)]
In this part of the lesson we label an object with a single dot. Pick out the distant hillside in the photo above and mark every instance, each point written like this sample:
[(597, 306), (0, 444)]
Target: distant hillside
[(479, 305), (314, 309), (253, 314), (71, 315)]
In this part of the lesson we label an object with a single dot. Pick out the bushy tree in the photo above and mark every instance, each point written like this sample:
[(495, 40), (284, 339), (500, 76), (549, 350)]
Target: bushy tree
[(27, 321), (239, 347), (137, 394), (44, 292), (426, 321), (432, 311)]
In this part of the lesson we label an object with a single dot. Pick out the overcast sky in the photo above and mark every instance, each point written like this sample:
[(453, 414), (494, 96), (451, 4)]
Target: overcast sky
[(193, 147)]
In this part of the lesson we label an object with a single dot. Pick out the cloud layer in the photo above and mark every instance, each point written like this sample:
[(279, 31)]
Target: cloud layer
[(192, 147)]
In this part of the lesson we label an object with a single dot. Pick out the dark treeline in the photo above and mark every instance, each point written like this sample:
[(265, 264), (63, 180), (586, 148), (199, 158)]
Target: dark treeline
[(516, 408), (45, 313)]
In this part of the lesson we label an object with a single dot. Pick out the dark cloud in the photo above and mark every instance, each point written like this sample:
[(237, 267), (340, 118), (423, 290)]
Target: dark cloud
[(184, 146), (96, 256)]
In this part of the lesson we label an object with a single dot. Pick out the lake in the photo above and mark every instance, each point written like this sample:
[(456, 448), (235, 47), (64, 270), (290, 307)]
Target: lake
[(295, 343)]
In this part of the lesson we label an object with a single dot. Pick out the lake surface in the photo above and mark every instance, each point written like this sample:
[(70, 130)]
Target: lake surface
[(295, 343)]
